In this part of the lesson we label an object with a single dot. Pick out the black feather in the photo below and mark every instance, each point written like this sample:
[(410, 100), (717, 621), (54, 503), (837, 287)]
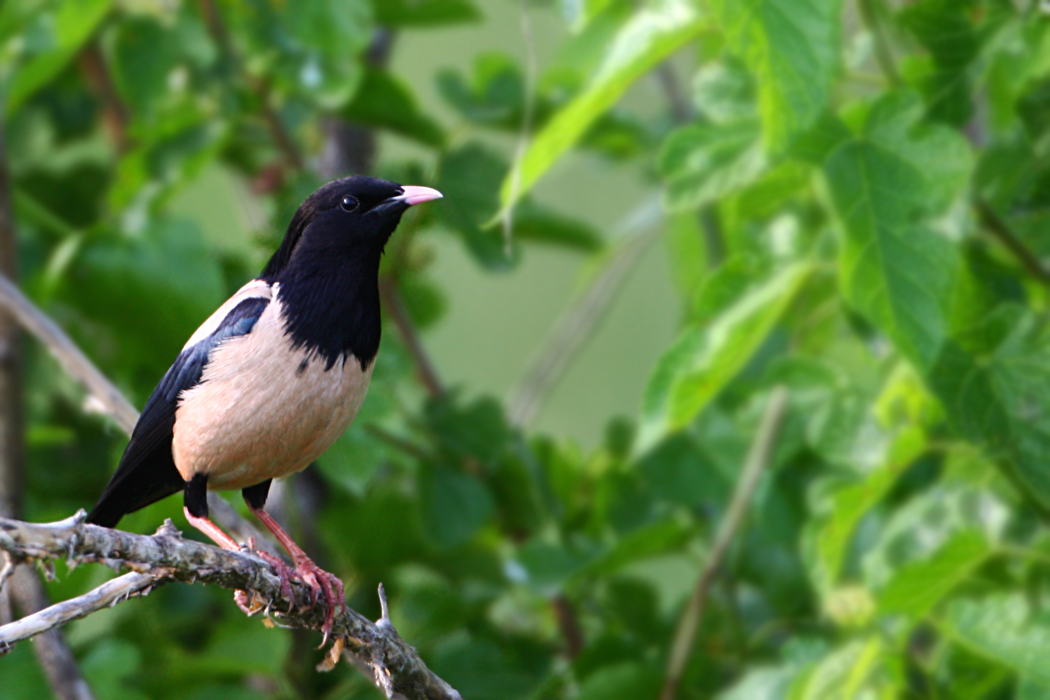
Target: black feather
[(147, 470)]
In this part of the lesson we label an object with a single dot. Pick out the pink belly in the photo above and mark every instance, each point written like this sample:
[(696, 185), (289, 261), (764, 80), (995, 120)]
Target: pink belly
[(259, 414)]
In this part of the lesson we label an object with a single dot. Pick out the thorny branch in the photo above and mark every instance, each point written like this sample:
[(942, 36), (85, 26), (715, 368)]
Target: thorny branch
[(165, 557)]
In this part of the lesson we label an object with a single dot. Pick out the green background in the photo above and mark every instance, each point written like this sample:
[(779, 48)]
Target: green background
[(844, 202)]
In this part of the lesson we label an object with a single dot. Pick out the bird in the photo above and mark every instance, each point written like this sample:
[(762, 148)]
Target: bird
[(273, 377)]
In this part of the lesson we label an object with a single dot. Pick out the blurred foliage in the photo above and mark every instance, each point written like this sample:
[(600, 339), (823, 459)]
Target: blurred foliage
[(857, 200)]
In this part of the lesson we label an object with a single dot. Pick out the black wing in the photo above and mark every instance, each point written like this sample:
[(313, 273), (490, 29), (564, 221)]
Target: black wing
[(147, 470)]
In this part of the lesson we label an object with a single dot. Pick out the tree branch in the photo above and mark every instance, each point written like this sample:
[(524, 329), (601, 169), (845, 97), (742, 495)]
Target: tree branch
[(26, 593), (104, 396), (115, 115), (574, 328), (283, 140), (757, 458), (396, 308), (1001, 231), (166, 556)]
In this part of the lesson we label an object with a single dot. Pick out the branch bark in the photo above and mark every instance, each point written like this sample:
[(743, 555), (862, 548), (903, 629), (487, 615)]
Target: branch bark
[(155, 560), (755, 463)]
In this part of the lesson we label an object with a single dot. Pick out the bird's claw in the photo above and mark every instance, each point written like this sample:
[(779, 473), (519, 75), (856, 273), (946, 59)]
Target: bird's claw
[(327, 588), (285, 573)]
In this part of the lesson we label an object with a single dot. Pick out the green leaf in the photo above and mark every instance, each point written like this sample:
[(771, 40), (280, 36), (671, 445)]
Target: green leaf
[(705, 162), (455, 505), (644, 543), (468, 177), (547, 566), (686, 252), (539, 224), (850, 504), (476, 430), (895, 269), (494, 95), (73, 23), (1001, 365), (920, 585), (624, 681), (644, 42), (679, 472), (1004, 628), (947, 29), (704, 359), (334, 27), (383, 100), (424, 13), (762, 683), (579, 13), (792, 46), (144, 54), (1030, 689), (847, 672), (725, 93)]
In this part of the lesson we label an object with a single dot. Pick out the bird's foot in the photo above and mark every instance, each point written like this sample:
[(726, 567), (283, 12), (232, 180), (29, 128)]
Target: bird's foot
[(248, 603), (285, 573), (327, 588)]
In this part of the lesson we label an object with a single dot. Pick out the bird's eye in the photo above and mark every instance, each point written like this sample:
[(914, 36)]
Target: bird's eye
[(349, 203)]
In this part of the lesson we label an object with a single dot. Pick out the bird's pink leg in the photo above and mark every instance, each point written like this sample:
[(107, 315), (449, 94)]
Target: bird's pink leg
[(213, 531), (216, 535), (322, 582)]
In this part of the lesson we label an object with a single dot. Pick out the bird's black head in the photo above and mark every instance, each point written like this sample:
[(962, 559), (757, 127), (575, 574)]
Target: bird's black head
[(354, 213)]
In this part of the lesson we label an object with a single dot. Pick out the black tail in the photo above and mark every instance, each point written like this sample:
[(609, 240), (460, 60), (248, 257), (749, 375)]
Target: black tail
[(146, 474)]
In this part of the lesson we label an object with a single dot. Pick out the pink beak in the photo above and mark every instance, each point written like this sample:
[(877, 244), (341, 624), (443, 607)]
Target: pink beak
[(414, 194)]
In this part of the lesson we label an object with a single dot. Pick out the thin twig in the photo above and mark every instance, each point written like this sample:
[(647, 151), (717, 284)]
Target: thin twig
[(681, 107), (999, 229), (394, 305), (166, 556), (105, 596), (284, 141), (569, 624), (106, 398), (575, 327), (883, 52), (758, 457), (115, 115), (397, 442)]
